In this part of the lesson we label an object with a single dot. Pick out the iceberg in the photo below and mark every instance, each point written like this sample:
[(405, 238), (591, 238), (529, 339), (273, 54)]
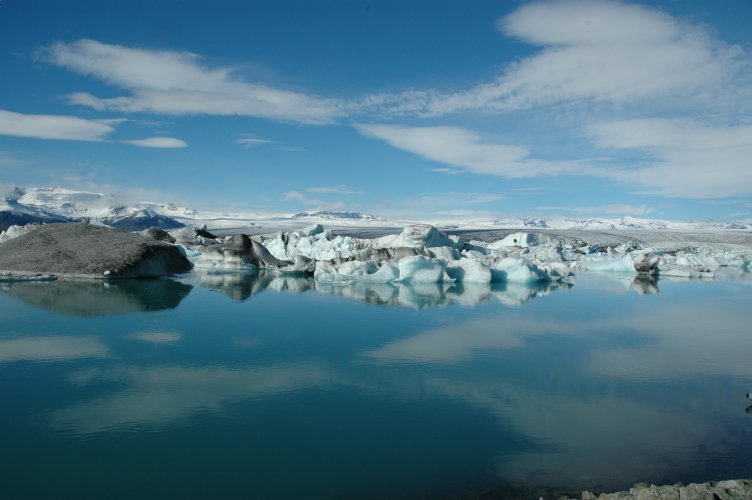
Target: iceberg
[(356, 270), (417, 236), (239, 252), (517, 270), (422, 269), (516, 239), (469, 270), (424, 254), (622, 264), (16, 231)]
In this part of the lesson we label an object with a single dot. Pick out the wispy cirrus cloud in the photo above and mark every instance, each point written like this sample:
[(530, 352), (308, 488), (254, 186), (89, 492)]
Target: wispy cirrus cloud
[(609, 53), (338, 189), (8, 160), (158, 142), (682, 157), (590, 50), (72, 128), (250, 141), (464, 150), (610, 209), (180, 83), (313, 203), (59, 127)]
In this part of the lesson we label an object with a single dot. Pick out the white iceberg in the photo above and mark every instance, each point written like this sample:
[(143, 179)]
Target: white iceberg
[(622, 264), (516, 239), (422, 269), (469, 270), (517, 270)]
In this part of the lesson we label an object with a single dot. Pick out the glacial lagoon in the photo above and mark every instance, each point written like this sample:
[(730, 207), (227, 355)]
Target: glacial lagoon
[(261, 386)]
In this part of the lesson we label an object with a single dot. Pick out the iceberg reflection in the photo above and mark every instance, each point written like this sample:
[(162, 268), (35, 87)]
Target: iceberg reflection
[(587, 388), (599, 381), (242, 285), (100, 297)]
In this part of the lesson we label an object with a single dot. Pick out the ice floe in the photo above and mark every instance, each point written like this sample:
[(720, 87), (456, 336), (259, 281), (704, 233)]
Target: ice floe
[(422, 254)]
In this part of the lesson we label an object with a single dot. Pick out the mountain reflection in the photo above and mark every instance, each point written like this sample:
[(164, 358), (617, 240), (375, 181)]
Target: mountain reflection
[(243, 285), (100, 298)]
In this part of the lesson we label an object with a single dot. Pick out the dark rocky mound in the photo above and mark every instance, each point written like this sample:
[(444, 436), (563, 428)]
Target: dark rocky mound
[(83, 249)]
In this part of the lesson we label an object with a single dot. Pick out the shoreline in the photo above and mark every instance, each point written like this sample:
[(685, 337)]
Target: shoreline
[(728, 489)]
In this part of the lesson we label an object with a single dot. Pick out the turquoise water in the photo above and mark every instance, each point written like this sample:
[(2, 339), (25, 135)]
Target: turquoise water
[(248, 386)]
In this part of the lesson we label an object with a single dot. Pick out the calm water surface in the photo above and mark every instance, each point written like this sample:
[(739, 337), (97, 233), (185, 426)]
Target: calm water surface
[(248, 386)]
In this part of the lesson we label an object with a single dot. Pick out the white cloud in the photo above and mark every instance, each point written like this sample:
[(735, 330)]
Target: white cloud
[(72, 128), (626, 209), (7, 160), (464, 213), (615, 209), (158, 142), (249, 142), (465, 151), (685, 158), (591, 50), (179, 83), (313, 203), (339, 189), (52, 127), (442, 207), (682, 158), (294, 196)]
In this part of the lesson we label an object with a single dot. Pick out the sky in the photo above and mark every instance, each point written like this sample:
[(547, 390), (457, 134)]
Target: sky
[(403, 109)]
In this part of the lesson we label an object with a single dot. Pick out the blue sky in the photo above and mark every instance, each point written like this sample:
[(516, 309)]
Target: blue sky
[(443, 109)]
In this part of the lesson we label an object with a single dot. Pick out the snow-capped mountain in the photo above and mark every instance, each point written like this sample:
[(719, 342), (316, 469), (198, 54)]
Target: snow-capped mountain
[(25, 205), (19, 206)]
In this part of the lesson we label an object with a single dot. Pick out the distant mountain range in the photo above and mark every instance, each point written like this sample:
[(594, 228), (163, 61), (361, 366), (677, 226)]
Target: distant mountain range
[(19, 206), (22, 206)]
